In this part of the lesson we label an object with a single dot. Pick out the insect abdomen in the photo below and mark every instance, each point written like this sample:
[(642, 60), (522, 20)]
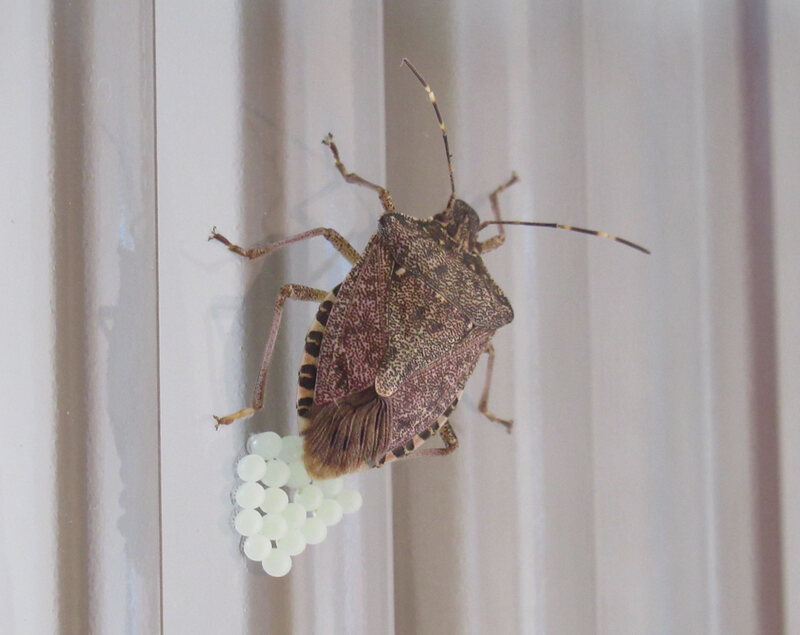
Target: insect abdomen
[(345, 434)]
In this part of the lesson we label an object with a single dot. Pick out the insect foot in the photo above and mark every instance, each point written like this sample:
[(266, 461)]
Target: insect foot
[(229, 419), (214, 235), (250, 254), (507, 423), (355, 179)]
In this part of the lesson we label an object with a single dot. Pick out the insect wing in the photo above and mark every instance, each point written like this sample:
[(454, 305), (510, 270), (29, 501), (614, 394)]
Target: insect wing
[(356, 335), (426, 394)]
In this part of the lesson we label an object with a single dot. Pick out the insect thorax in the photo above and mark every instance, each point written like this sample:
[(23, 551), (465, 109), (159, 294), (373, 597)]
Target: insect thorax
[(444, 251)]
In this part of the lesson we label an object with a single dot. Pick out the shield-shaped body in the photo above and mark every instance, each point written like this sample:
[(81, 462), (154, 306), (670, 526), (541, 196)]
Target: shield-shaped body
[(392, 347)]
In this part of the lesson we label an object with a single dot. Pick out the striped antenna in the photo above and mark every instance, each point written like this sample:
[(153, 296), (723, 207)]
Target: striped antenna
[(582, 230), (432, 97)]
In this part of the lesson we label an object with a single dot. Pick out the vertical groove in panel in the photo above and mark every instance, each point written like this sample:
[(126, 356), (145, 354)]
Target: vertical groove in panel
[(70, 29), (706, 327), (559, 316), (416, 172), (159, 454), (730, 373), (425, 541), (754, 64), (122, 316), (263, 218), (613, 54), (104, 309), (784, 60), (529, 99)]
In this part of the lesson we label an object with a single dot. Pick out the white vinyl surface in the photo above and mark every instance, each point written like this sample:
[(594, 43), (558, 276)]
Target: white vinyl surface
[(650, 484)]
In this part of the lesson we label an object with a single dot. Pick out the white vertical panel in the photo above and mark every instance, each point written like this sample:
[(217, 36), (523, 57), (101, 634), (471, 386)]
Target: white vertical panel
[(83, 551), (553, 390), (245, 95), (647, 389), (197, 88), (28, 542)]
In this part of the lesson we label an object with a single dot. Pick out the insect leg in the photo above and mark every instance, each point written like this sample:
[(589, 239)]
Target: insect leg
[(450, 439), (331, 235), (495, 241), (295, 292), (352, 177), (409, 451), (482, 404)]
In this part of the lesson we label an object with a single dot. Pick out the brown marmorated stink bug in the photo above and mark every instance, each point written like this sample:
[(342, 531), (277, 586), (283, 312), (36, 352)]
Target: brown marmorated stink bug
[(393, 345)]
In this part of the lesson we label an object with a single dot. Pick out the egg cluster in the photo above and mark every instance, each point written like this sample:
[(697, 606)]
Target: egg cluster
[(275, 529)]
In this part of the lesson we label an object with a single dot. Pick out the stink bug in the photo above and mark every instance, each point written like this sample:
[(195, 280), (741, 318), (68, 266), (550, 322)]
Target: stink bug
[(392, 346)]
